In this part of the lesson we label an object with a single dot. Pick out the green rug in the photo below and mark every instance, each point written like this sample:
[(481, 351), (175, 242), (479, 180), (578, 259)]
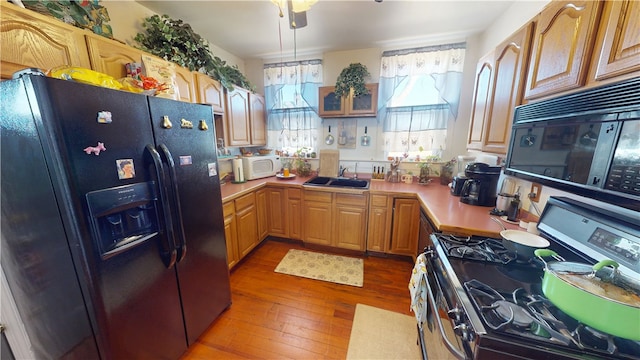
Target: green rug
[(325, 267)]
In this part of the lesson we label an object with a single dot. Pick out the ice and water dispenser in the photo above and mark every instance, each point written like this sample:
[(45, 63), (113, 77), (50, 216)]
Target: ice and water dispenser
[(123, 216)]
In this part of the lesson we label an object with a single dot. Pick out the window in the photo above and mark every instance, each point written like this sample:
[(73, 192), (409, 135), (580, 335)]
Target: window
[(291, 96), (419, 94)]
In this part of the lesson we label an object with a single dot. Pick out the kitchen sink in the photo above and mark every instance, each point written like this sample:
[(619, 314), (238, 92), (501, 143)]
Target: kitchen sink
[(338, 182)]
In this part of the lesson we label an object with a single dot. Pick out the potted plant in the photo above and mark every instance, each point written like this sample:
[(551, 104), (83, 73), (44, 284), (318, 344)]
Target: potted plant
[(446, 174), (352, 77), (175, 41)]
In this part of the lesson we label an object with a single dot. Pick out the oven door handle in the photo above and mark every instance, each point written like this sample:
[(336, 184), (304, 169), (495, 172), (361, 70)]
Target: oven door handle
[(432, 302)]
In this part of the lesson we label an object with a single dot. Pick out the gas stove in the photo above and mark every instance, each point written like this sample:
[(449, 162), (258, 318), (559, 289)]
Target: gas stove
[(494, 302)]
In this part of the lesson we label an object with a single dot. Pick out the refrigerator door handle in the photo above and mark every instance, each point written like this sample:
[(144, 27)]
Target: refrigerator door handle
[(168, 159), (168, 251)]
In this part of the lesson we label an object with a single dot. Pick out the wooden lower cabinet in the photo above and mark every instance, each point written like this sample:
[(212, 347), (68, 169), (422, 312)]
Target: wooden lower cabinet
[(261, 210), (318, 217), (230, 233), (247, 220), (294, 213), (379, 227), (406, 227), (335, 219), (394, 225), (350, 221), (277, 216)]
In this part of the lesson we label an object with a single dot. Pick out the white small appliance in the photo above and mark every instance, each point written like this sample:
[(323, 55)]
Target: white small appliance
[(256, 167)]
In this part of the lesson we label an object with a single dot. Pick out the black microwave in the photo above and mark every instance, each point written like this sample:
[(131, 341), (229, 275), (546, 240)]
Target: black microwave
[(587, 143)]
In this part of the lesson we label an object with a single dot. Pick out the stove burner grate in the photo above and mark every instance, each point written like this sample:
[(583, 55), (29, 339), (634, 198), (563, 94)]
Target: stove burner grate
[(475, 248)]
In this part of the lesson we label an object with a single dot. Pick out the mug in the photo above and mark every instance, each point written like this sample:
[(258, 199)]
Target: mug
[(408, 179)]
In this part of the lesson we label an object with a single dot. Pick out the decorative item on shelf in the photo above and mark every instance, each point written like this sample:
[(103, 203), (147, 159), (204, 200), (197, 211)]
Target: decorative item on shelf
[(394, 175), (446, 172), (175, 41), (352, 77), (264, 151), (83, 14), (425, 171), (303, 167)]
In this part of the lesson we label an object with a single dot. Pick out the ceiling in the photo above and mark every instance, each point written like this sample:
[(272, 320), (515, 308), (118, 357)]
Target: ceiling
[(254, 30)]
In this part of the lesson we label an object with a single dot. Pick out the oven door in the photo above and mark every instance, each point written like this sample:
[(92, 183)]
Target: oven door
[(445, 336)]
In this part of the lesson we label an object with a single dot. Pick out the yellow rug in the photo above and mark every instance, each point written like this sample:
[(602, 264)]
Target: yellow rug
[(382, 334), (325, 267)]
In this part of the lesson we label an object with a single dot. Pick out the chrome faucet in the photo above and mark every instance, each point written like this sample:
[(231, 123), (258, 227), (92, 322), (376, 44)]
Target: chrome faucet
[(341, 171), (355, 171)]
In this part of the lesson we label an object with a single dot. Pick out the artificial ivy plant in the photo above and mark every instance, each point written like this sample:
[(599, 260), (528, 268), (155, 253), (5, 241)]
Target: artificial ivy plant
[(352, 77), (175, 41)]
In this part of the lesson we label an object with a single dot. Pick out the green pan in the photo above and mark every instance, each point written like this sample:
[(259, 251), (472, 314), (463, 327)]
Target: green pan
[(605, 310)]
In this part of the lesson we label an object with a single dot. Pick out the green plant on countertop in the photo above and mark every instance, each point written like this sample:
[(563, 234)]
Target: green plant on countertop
[(175, 41), (352, 77)]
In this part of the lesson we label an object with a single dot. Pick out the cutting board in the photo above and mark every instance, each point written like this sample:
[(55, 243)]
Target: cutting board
[(329, 163)]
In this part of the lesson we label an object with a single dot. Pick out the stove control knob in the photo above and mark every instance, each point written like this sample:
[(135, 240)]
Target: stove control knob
[(454, 314), (463, 331)]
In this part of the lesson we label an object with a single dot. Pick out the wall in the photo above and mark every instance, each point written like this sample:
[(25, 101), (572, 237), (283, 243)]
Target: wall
[(126, 21)]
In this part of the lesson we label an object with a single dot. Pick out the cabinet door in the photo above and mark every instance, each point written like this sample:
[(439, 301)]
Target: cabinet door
[(294, 213), (562, 46), (508, 87), (237, 113), (277, 212), (364, 104), (618, 46), (406, 227), (247, 224), (318, 222), (29, 39), (258, 120), (230, 233), (350, 221), (210, 92), (481, 101), (261, 210), (185, 82), (329, 103), (109, 56), (379, 228)]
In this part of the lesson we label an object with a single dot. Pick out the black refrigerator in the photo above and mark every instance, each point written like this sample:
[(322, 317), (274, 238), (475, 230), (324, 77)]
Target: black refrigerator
[(112, 229)]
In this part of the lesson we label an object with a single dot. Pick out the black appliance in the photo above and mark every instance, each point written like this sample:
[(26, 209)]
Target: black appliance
[(485, 303), (112, 228), (587, 143), (456, 185), (481, 186)]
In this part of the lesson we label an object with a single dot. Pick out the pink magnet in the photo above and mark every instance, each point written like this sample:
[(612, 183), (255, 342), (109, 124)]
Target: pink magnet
[(95, 149)]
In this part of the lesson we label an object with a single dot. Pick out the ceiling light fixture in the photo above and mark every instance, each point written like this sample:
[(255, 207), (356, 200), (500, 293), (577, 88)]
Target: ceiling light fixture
[(297, 10)]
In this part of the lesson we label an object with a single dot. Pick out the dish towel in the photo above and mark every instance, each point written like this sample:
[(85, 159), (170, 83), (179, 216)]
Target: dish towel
[(418, 289)]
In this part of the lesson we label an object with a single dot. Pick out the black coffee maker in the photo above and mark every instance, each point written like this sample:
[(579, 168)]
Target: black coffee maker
[(481, 185)]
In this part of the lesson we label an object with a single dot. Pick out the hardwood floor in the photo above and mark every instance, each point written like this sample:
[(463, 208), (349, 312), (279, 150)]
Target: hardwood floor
[(278, 316)]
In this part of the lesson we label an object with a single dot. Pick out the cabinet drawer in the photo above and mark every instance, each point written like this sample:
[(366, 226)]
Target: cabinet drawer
[(317, 196), (245, 201), (228, 209), (354, 200), (379, 200), (294, 193)]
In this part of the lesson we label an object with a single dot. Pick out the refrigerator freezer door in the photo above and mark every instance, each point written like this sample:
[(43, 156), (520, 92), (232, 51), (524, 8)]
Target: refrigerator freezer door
[(132, 297), (203, 274), (35, 255)]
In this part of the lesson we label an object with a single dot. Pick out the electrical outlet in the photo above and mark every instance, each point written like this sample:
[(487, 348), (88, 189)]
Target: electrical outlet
[(534, 194)]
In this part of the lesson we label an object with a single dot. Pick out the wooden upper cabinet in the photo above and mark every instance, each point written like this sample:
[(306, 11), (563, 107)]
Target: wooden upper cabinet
[(210, 92), (562, 47), (258, 120), (617, 52), (509, 73), (237, 129), (110, 57), (481, 101), (29, 39), (185, 81), (331, 105)]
